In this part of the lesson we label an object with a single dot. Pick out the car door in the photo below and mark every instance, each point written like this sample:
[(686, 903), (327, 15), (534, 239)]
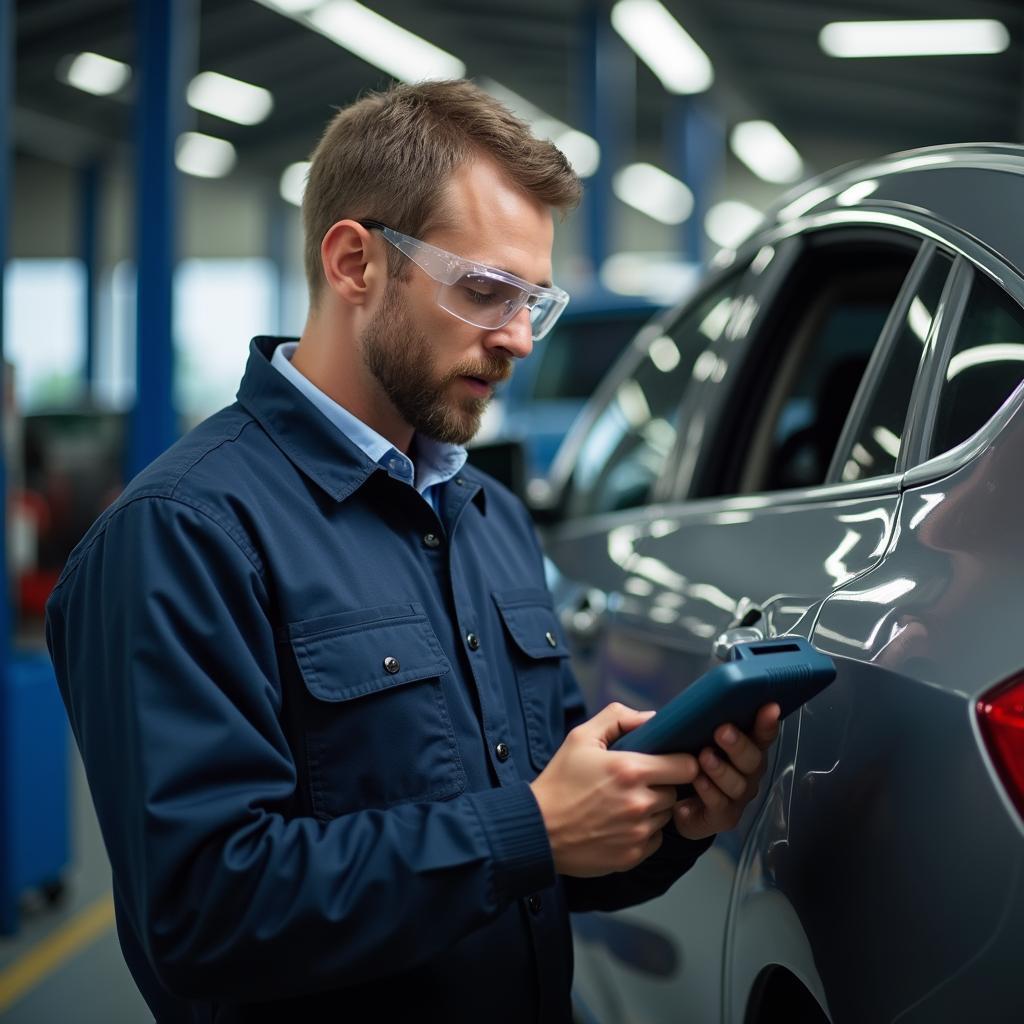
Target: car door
[(770, 502), (893, 761)]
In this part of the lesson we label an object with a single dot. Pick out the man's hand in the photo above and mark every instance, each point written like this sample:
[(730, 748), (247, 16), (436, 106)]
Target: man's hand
[(724, 788), (604, 809)]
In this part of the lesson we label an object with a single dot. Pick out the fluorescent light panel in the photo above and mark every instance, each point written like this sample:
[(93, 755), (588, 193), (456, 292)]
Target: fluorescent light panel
[(731, 222), (203, 155), (96, 74), (766, 151), (913, 38), (293, 182), (384, 44), (663, 45), (652, 191), (293, 6), (229, 98)]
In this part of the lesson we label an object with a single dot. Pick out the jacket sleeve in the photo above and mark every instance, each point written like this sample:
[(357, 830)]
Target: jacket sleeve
[(161, 634), (647, 880)]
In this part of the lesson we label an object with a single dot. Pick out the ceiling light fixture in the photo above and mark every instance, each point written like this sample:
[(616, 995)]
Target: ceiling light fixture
[(95, 74), (293, 182), (229, 98), (382, 43), (203, 155), (663, 45), (731, 222), (913, 38), (766, 151), (652, 191)]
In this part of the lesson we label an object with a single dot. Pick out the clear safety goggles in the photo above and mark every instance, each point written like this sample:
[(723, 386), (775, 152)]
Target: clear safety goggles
[(476, 293)]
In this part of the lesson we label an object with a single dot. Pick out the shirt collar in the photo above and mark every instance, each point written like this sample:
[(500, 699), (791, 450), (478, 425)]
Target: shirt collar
[(317, 443)]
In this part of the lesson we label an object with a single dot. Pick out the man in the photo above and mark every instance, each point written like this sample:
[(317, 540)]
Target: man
[(309, 657)]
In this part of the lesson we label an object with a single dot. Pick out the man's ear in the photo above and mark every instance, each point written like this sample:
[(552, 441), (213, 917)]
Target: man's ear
[(349, 261)]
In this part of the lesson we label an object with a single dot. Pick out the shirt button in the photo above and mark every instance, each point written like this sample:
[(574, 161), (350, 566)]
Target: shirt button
[(550, 637), (502, 751), (391, 665), (535, 904), (459, 481), (473, 640), (431, 540)]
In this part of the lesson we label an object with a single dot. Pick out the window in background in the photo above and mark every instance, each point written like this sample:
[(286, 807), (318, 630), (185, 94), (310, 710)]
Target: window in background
[(44, 331), (219, 304), (114, 370)]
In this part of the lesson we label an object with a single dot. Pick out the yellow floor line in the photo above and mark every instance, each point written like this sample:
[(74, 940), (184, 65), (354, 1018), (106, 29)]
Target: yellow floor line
[(60, 946)]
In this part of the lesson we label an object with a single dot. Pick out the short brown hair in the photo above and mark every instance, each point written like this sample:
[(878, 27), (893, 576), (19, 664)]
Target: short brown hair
[(389, 157)]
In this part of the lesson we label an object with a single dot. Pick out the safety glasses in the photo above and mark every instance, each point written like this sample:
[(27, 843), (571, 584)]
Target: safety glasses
[(474, 292)]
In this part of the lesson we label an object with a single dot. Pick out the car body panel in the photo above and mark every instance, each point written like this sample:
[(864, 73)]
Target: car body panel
[(881, 865)]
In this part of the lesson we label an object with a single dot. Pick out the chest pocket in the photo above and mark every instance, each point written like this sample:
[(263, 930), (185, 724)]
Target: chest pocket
[(537, 651), (375, 720)]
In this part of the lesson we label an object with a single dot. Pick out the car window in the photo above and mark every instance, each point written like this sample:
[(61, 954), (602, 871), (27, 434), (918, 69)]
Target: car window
[(628, 444), (797, 383), (579, 352), (985, 365), (875, 448)]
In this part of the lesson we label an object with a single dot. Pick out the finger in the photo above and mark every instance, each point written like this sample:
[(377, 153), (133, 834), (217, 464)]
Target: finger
[(664, 799), (666, 769), (723, 775), (614, 721), (766, 727), (741, 750), (689, 818), (710, 795)]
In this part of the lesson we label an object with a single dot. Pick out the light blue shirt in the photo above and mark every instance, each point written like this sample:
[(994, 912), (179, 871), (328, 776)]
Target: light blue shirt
[(436, 461)]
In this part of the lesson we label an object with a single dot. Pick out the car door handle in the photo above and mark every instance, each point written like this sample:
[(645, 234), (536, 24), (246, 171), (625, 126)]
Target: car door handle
[(584, 616), (748, 613)]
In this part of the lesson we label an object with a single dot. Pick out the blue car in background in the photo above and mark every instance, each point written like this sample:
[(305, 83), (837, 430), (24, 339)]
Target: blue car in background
[(549, 388)]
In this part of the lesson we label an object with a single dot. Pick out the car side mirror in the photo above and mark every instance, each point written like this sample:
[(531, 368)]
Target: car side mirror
[(505, 460)]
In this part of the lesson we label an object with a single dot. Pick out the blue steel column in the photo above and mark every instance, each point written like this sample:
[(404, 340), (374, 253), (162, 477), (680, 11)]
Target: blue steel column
[(609, 87), (696, 136), (164, 28), (8, 904), (88, 245)]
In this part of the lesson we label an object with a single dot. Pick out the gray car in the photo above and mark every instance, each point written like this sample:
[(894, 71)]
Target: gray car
[(827, 440)]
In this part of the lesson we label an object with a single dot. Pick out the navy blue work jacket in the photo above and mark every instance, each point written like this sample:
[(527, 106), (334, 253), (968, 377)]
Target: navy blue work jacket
[(309, 708)]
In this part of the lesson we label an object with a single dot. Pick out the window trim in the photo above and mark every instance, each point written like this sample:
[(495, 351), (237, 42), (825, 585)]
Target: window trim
[(925, 401), (714, 409)]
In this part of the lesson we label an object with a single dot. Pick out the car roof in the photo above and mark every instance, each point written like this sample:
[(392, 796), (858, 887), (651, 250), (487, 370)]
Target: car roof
[(974, 187)]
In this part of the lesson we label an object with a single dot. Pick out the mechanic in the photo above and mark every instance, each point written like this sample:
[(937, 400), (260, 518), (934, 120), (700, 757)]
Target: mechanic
[(339, 759)]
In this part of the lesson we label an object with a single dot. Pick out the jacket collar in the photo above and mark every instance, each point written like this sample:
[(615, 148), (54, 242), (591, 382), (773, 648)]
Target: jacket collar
[(309, 440)]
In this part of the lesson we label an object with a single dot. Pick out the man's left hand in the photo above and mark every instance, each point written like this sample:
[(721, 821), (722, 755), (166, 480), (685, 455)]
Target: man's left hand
[(725, 787)]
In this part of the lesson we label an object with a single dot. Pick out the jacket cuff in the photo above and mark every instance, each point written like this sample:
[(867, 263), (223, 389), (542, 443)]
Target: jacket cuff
[(512, 822)]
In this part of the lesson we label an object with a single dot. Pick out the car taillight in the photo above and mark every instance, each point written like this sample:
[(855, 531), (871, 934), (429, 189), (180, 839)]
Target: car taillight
[(1001, 717)]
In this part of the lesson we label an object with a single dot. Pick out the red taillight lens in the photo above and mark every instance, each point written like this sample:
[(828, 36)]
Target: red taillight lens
[(1001, 716)]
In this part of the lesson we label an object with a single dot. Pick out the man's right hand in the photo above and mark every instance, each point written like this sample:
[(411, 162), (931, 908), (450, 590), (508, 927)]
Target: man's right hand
[(604, 809)]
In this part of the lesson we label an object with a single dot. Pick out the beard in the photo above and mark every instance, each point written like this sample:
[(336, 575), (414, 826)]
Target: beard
[(400, 358)]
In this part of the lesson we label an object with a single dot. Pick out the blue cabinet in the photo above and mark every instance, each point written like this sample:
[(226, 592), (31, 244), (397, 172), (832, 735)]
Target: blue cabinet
[(34, 804)]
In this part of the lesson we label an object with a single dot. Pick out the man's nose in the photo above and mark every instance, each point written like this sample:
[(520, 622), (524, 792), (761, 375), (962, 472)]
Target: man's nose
[(516, 337)]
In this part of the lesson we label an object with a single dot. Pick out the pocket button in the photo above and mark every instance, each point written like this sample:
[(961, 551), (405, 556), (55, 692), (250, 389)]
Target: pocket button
[(391, 665)]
